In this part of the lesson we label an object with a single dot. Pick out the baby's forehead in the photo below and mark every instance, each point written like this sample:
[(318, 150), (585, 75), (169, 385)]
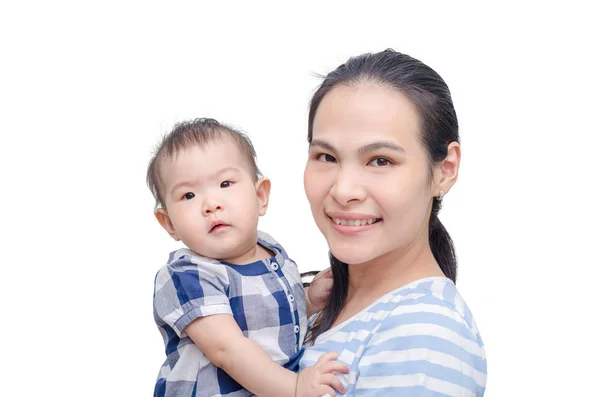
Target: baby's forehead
[(214, 155), (225, 143)]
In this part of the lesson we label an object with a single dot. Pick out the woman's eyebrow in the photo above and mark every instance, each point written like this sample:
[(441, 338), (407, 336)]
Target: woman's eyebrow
[(364, 149), (322, 144), (381, 145)]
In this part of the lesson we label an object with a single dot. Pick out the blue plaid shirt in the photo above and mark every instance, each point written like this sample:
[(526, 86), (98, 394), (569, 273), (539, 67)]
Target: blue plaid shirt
[(266, 299)]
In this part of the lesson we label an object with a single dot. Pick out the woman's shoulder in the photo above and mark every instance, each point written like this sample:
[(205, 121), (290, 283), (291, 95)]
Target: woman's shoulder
[(428, 305), (428, 331), (435, 294)]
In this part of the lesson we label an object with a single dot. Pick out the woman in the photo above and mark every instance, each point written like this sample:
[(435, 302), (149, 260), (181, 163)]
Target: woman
[(384, 151)]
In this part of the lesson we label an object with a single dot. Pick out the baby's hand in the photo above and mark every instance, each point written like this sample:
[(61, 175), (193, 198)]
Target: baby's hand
[(319, 380), (320, 289)]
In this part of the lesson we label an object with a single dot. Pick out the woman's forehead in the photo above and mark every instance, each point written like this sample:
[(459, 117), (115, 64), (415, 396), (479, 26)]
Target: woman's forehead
[(366, 112)]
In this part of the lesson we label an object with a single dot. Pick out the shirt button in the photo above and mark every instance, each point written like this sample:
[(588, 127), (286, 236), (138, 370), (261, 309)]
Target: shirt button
[(274, 266), (296, 329), (291, 298)]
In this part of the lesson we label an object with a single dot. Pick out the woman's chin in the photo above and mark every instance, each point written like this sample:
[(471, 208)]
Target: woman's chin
[(351, 255)]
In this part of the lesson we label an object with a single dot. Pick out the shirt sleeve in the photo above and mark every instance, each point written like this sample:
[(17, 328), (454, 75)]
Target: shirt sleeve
[(186, 291), (424, 351)]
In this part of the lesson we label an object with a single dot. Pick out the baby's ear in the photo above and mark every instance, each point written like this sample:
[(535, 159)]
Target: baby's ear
[(263, 190), (165, 221)]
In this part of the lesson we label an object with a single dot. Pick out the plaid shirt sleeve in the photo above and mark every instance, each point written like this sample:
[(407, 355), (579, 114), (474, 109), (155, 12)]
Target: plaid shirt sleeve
[(185, 291)]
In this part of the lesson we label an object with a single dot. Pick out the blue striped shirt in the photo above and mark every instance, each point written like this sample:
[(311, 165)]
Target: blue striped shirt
[(419, 340)]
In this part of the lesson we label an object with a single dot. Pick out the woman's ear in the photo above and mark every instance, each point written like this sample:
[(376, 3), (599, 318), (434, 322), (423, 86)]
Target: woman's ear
[(263, 190), (165, 221), (446, 172)]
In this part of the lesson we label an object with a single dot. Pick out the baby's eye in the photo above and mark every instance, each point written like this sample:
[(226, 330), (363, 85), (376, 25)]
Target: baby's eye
[(225, 184), (189, 196), (380, 162), (326, 158)]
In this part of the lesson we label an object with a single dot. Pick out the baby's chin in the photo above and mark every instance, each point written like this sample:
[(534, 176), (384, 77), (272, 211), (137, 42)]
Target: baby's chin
[(219, 248), (218, 253), (226, 253)]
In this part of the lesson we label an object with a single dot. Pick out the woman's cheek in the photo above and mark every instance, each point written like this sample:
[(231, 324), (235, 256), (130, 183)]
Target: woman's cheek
[(312, 184)]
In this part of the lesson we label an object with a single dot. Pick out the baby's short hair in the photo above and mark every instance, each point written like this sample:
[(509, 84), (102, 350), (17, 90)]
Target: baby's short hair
[(198, 132)]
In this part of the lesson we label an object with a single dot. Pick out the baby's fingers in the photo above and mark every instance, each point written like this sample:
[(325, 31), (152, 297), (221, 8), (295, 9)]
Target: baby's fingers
[(326, 391), (333, 381), (333, 366), (331, 356)]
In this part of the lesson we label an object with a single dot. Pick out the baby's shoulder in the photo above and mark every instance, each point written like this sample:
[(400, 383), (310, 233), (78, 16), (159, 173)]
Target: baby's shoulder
[(266, 240), (185, 256), (186, 262)]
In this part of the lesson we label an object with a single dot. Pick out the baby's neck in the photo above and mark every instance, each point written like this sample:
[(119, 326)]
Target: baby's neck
[(256, 253)]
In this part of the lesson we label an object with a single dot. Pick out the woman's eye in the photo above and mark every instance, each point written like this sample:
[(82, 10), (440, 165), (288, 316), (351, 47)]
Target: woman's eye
[(225, 184), (326, 158), (380, 162), (189, 196)]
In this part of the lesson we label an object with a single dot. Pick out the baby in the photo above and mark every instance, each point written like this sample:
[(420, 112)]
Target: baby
[(231, 306)]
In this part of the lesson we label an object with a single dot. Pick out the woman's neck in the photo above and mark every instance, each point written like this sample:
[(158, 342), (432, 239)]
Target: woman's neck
[(369, 281), (375, 278)]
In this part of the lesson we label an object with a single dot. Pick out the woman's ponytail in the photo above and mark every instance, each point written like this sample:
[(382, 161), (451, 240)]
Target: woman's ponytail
[(441, 244)]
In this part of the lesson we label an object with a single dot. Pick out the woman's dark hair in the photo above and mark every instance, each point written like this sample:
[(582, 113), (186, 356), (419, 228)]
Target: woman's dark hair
[(439, 127)]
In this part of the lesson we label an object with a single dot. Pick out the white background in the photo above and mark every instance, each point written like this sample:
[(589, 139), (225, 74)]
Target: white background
[(86, 91)]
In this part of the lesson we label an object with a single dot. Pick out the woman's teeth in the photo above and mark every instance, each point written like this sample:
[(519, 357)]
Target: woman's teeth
[(354, 222)]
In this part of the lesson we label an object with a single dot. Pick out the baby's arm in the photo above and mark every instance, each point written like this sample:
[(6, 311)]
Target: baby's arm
[(221, 340)]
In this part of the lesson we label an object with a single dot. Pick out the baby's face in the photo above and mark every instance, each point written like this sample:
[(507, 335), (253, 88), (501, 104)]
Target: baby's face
[(211, 199)]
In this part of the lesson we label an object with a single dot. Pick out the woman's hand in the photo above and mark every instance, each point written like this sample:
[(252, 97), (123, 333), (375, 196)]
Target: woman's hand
[(317, 295), (319, 380)]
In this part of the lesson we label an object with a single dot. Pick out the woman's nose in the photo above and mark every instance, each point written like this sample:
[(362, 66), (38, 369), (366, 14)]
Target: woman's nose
[(347, 187)]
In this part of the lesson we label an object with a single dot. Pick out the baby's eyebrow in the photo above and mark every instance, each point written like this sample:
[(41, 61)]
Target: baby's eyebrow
[(180, 185), (227, 169), (215, 176)]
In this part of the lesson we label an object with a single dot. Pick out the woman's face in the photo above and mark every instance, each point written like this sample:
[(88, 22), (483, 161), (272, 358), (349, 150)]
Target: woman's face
[(368, 176)]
